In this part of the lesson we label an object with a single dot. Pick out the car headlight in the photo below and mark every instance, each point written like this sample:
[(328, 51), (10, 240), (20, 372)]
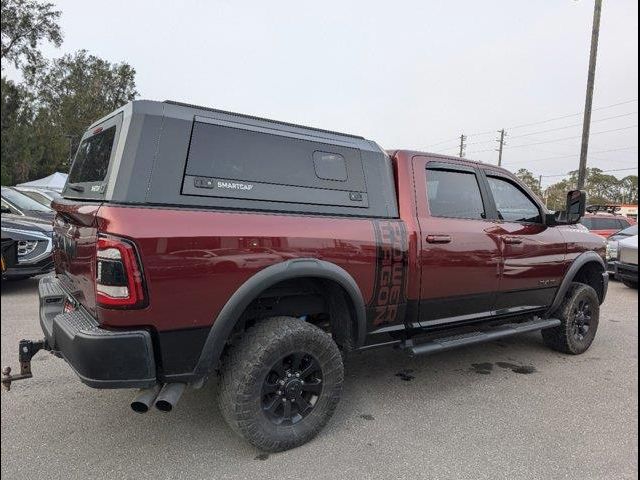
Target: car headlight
[(33, 249), (612, 250), (25, 247)]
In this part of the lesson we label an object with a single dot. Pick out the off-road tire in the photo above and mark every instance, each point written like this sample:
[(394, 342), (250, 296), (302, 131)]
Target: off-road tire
[(562, 338), (246, 366), (630, 284)]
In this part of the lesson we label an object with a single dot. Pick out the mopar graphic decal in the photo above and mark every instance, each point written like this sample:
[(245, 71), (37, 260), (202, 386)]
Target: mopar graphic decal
[(389, 300)]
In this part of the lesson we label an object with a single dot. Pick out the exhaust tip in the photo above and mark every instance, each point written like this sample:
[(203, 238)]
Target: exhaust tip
[(164, 406), (143, 400), (169, 396), (139, 407)]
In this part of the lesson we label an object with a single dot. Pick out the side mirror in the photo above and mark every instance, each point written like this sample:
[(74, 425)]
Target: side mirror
[(576, 206), (551, 220)]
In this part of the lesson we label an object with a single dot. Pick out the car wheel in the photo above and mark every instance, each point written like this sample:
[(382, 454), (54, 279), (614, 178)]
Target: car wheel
[(579, 315), (281, 383), (630, 284)]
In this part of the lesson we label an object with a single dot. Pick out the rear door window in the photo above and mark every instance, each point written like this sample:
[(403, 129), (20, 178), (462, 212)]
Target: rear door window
[(454, 194)]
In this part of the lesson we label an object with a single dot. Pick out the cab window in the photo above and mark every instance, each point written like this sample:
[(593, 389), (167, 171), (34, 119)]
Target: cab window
[(513, 204)]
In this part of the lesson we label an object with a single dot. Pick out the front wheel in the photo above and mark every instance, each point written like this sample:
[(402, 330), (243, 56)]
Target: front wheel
[(579, 315), (281, 383)]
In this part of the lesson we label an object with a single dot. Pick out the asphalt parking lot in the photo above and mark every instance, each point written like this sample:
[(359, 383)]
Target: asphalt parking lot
[(510, 409)]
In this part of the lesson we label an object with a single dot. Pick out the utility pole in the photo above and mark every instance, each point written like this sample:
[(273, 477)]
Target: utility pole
[(540, 184), (463, 139), (586, 125), (501, 143)]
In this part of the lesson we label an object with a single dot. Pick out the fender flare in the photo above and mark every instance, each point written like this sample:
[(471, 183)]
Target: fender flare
[(580, 261), (249, 290)]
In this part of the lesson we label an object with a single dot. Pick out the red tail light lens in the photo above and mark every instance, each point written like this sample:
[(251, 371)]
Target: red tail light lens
[(118, 274)]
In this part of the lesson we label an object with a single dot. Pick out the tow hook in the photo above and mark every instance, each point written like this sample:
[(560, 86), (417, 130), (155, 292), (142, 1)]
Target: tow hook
[(26, 350)]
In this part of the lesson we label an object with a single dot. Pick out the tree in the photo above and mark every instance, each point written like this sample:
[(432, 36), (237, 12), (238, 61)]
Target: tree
[(629, 189), (601, 188), (25, 24), (17, 143), (556, 195), (529, 180), (70, 94)]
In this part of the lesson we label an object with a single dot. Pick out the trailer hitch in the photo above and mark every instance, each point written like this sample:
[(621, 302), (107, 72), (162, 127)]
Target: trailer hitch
[(26, 350)]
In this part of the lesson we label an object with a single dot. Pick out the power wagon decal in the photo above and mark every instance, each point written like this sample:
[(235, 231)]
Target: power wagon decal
[(387, 306)]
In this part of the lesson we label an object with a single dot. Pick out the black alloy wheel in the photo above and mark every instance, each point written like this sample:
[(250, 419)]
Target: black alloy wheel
[(291, 389)]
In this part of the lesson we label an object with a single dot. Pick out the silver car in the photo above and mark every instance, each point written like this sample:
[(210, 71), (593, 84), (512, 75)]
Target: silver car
[(627, 265)]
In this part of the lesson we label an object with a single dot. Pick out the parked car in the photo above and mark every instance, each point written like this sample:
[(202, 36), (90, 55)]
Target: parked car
[(365, 249), (626, 268), (17, 203), (612, 246), (27, 246), (9, 255), (604, 221), (40, 195)]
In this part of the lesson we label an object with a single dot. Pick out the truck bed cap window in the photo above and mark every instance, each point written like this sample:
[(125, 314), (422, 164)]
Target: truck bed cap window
[(92, 160), (239, 162)]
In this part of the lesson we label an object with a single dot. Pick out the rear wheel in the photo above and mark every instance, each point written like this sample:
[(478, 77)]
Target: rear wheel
[(579, 315), (630, 284), (281, 383)]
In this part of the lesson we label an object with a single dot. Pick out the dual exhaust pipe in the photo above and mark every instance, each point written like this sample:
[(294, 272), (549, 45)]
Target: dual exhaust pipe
[(163, 397)]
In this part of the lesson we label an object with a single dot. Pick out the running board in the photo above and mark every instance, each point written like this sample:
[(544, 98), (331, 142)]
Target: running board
[(471, 338)]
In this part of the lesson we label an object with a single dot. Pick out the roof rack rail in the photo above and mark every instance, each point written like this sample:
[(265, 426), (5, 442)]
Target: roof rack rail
[(252, 117), (612, 209)]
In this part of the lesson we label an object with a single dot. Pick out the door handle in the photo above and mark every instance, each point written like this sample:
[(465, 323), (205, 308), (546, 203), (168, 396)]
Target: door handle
[(512, 240), (438, 238)]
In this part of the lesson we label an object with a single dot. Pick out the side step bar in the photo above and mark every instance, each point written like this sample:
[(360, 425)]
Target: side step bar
[(471, 338)]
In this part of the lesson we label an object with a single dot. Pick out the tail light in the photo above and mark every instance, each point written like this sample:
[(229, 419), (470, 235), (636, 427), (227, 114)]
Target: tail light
[(118, 274)]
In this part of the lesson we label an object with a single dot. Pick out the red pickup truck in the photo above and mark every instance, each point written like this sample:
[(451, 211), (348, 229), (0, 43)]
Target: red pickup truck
[(193, 243)]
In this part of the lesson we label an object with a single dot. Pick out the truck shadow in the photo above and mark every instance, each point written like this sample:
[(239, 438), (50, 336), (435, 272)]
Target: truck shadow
[(373, 395), (372, 379), (27, 285)]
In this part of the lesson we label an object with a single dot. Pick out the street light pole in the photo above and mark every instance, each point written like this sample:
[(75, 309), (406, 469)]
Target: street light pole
[(586, 125)]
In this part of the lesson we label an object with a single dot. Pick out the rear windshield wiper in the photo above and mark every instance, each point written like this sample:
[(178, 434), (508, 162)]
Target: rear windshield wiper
[(77, 188)]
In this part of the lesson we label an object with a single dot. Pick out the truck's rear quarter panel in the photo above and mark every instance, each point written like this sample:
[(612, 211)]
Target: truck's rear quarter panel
[(194, 260)]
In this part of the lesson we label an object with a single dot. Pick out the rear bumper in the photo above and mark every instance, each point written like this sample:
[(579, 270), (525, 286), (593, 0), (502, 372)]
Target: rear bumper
[(101, 358), (626, 271)]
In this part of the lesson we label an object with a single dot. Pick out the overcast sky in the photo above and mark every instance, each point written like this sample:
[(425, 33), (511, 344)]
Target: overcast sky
[(405, 74)]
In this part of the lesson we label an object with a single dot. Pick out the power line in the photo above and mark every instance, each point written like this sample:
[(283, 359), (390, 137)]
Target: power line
[(572, 155), (552, 129), (572, 115), (604, 107), (573, 125), (560, 139), (603, 171)]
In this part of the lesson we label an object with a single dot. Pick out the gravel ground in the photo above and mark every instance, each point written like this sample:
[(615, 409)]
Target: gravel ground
[(509, 409)]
